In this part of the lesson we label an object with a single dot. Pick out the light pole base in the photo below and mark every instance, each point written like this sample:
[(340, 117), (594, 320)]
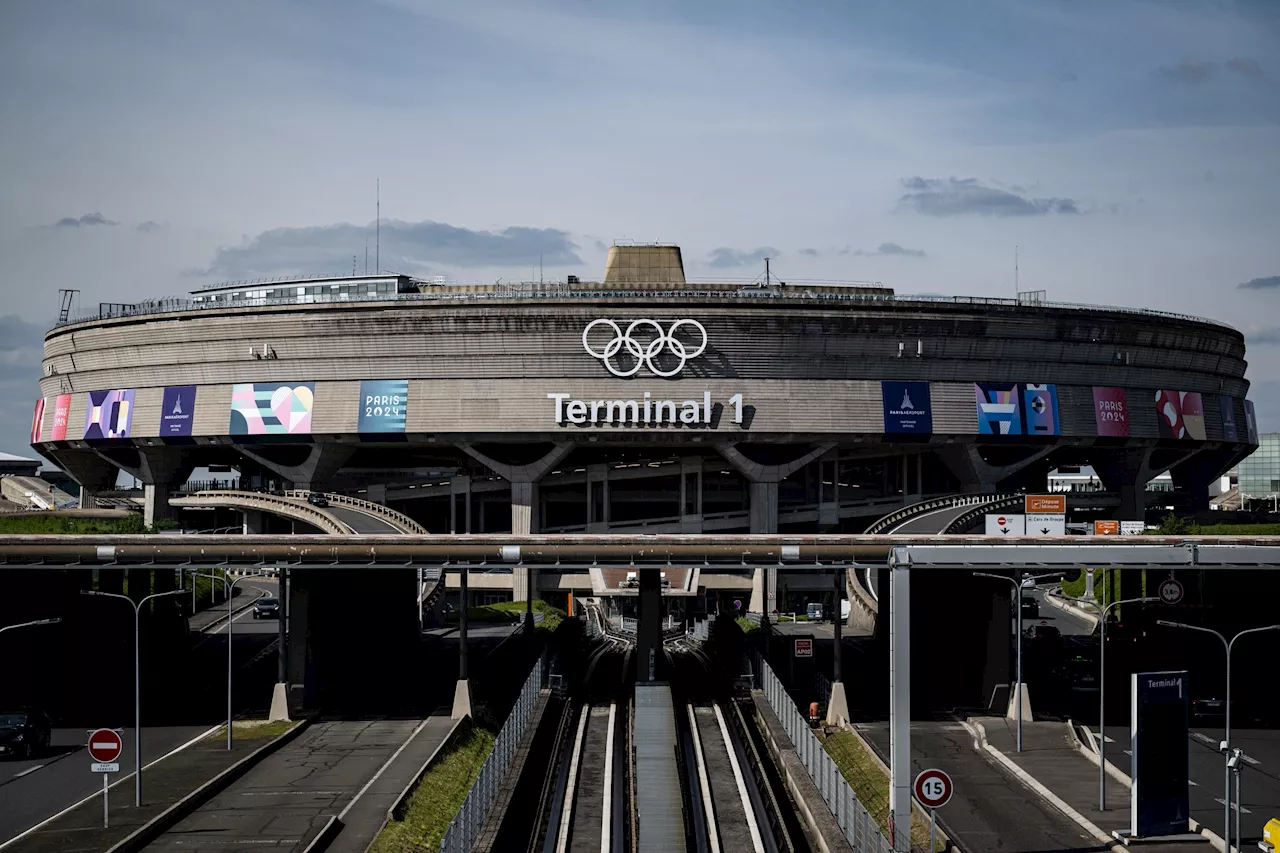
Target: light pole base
[(1014, 695), (280, 703), (837, 705), (461, 700)]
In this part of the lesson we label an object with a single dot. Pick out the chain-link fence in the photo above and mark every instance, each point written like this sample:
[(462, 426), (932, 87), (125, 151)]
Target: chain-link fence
[(859, 827), (462, 830)]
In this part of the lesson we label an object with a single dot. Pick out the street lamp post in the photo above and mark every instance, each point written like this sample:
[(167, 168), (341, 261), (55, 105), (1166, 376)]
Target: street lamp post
[(1226, 734), (1102, 690), (137, 678), (229, 589), (30, 624)]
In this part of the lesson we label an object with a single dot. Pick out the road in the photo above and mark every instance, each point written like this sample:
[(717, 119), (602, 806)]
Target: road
[(363, 523), (1259, 781), (35, 789), (1068, 622)]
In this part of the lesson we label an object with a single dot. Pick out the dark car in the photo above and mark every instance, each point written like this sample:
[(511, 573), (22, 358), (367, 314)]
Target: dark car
[(267, 607), (1030, 607), (317, 499), (24, 733)]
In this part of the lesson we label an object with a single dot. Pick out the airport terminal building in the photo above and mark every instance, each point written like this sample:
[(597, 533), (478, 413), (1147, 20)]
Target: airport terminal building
[(642, 402)]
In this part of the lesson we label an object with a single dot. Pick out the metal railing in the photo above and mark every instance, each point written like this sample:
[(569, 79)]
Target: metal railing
[(994, 503), (466, 824), (399, 519), (589, 291), (859, 827)]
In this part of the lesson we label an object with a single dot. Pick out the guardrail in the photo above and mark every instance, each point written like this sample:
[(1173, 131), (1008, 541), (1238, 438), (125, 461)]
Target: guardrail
[(260, 500), (893, 518), (859, 828), (995, 503), (399, 519), (588, 291), (466, 824)]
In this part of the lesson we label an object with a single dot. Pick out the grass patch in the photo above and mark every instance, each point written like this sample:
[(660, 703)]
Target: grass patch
[(1231, 530), (747, 626), (252, 730), (436, 801), (68, 525), (871, 784), (511, 611)]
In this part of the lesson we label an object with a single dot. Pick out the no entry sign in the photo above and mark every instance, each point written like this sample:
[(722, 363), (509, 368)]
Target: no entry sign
[(932, 788), (105, 746)]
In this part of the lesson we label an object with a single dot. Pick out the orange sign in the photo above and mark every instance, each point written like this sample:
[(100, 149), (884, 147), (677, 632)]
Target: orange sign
[(1106, 528), (1046, 504)]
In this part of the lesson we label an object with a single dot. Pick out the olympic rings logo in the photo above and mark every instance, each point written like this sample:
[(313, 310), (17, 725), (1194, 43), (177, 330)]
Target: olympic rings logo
[(645, 353)]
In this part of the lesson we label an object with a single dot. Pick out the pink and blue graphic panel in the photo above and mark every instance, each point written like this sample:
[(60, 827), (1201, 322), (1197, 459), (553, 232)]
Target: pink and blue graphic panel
[(109, 414), (272, 409), (999, 409)]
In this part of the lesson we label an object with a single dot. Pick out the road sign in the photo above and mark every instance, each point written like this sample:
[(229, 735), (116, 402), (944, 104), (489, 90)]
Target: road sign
[(1055, 504), (1132, 528), (737, 604), (105, 746), (97, 767), (1005, 525), (1088, 571), (1106, 528), (1171, 591), (932, 788), (804, 648), (1046, 524)]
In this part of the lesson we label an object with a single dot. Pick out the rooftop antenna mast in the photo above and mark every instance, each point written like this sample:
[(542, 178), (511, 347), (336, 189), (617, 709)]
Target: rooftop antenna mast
[(1015, 273), (377, 234), (366, 255), (67, 295), (766, 272), (539, 268)]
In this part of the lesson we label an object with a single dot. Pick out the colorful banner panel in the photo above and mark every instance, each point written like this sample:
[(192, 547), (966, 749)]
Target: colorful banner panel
[(1181, 414), (1040, 406), (906, 407), (61, 414), (109, 413), (1250, 422), (998, 410), (178, 410), (383, 403), (36, 420), (1229, 431), (1111, 411), (271, 409)]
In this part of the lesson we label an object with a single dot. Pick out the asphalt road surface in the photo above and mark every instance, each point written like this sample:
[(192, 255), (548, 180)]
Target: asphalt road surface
[(1259, 780), (362, 523), (38, 788), (1066, 621)]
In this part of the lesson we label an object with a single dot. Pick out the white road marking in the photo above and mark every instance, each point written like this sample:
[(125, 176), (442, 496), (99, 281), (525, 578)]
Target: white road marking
[(1249, 758), (1223, 802), (1204, 738), (28, 770), (119, 781)]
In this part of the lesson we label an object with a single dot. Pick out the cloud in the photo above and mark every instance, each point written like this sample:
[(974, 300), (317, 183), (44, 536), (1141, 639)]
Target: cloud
[(1265, 283), (84, 221), (149, 227), (1264, 336), (968, 196), (1245, 66), (891, 249), (1189, 71), (21, 349), (1068, 77), (813, 253), (416, 247), (724, 258)]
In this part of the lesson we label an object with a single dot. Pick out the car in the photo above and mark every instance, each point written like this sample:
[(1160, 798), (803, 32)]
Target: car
[(24, 733), (317, 499), (1030, 607), (267, 607), (1028, 583), (814, 612)]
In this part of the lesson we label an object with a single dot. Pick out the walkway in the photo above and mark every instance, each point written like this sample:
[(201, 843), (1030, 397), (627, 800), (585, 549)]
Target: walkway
[(285, 801)]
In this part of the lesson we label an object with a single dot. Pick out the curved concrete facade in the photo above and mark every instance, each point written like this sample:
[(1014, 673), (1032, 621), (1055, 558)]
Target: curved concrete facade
[(790, 383)]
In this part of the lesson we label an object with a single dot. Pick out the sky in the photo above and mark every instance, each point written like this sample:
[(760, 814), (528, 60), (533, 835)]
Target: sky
[(1128, 149)]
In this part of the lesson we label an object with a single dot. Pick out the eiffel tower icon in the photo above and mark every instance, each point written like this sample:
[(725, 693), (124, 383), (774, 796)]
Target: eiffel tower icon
[(177, 406), (906, 400)]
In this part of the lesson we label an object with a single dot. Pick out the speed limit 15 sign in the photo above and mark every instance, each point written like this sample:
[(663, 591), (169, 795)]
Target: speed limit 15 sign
[(932, 788)]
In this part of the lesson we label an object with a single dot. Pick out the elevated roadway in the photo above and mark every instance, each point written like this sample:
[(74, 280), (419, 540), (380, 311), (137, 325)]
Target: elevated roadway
[(340, 515)]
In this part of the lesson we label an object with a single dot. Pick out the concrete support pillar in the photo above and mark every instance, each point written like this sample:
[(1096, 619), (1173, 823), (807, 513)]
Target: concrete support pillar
[(691, 494), (280, 694), (597, 498), (312, 474), (156, 503), (299, 632), (460, 504), (838, 705), (1128, 473), (649, 624), (255, 521), (462, 692), (900, 775), (829, 489), (764, 507)]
